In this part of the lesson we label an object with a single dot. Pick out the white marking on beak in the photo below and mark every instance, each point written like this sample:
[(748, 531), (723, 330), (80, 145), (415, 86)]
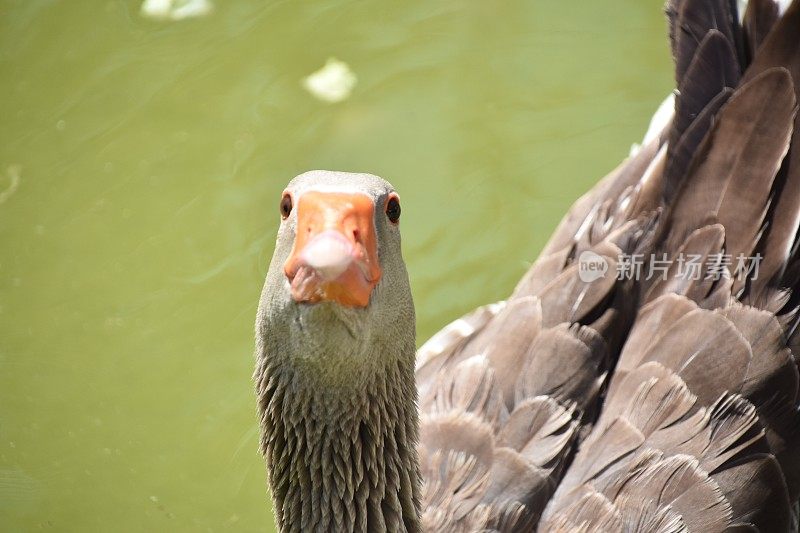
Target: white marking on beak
[(329, 254)]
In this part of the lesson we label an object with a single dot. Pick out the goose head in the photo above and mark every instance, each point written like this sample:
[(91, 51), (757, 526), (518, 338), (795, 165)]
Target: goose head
[(336, 302)]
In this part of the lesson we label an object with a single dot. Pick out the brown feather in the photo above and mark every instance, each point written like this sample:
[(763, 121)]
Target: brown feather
[(695, 19), (757, 493), (743, 153), (759, 18), (713, 68), (686, 146), (781, 48)]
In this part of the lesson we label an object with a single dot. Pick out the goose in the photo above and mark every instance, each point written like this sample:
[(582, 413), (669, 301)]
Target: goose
[(604, 394)]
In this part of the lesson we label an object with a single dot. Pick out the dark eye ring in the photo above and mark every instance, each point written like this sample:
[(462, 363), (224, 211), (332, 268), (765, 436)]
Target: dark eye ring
[(393, 209), (286, 205)]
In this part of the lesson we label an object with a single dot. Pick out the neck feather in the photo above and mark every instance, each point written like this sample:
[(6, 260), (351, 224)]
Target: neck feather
[(340, 459)]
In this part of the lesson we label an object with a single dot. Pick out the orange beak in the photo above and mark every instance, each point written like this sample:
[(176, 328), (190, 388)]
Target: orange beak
[(335, 253)]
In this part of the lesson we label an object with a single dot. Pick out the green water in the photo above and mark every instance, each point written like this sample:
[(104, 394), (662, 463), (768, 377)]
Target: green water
[(142, 164)]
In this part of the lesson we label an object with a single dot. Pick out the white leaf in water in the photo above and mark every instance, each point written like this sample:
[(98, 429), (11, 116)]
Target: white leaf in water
[(175, 9), (13, 183), (156, 9), (332, 83)]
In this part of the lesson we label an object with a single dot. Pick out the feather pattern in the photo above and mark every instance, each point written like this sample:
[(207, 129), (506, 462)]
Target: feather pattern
[(781, 49), (665, 404)]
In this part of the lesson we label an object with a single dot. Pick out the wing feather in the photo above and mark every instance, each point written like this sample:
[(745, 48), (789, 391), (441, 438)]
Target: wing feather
[(662, 403)]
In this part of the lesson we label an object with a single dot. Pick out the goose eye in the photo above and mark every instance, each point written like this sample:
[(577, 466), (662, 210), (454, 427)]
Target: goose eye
[(393, 209), (286, 205)]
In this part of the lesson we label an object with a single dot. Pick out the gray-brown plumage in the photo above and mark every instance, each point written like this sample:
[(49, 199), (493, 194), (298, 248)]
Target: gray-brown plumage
[(699, 427), (615, 402)]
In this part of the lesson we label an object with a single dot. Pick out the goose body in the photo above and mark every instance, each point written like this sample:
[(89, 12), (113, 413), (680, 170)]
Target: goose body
[(616, 389)]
